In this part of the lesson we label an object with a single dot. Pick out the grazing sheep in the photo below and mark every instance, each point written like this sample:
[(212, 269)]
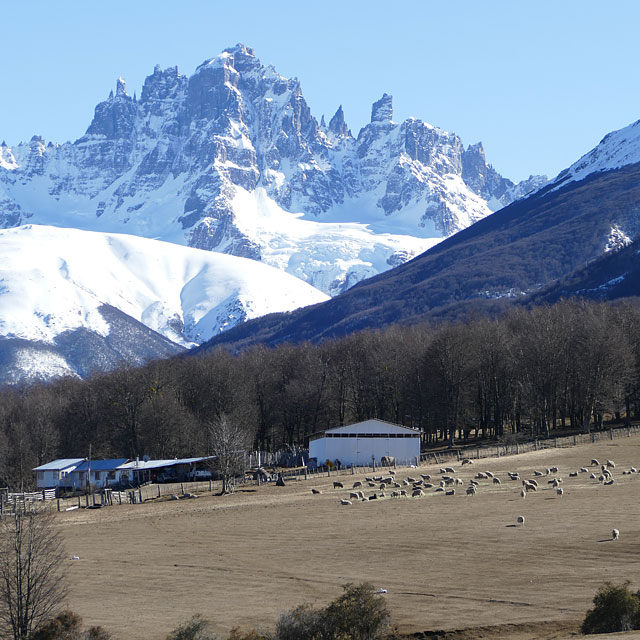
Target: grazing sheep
[(488, 474), (427, 485), (475, 483), (601, 478), (560, 492), (611, 464), (373, 497), (338, 485), (392, 472), (371, 484), (451, 492), (584, 470), (471, 490), (395, 494), (382, 486), (520, 520), (554, 469), (343, 501), (538, 473), (410, 479), (534, 483), (513, 475), (440, 489), (481, 476), (353, 496), (449, 469), (554, 483), (633, 470), (403, 492), (496, 481), (405, 483), (442, 470), (608, 483), (466, 461), (388, 480), (382, 494), (361, 495), (356, 485), (573, 474), (459, 481), (425, 476), (530, 486), (594, 462), (418, 483), (447, 478), (592, 476), (416, 493), (523, 493), (367, 479), (615, 534), (442, 483), (316, 491)]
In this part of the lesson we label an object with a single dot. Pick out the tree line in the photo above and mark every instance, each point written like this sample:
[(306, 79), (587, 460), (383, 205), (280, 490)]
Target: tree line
[(529, 372)]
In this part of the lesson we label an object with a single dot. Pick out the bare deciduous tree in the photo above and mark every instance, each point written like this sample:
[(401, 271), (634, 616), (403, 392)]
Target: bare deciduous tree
[(32, 584), (228, 442)]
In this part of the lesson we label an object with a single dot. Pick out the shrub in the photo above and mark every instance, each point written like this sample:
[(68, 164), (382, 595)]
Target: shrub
[(65, 626), (195, 629), (302, 622), (616, 608)]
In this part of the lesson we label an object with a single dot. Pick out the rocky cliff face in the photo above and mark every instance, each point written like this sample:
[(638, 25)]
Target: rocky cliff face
[(192, 156)]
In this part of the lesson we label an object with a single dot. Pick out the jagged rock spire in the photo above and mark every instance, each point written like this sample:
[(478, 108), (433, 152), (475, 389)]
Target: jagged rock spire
[(337, 125), (121, 87), (382, 110)]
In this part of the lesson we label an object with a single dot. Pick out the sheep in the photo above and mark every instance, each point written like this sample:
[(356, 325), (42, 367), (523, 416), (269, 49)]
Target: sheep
[(560, 492), (547, 471), (353, 496), (554, 469), (534, 483), (428, 485), (530, 486), (316, 491), (488, 474), (608, 483), (592, 476), (395, 494), (584, 470), (343, 501), (410, 479), (451, 492), (447, 478), (554, 483), (388, 480), (356, 485), (403, 492), (496, 481), (611, 464), (416, 493), (442, 470), (459, 481), (442, 483), (405, 483), (538, 473), (520, 520), (633, 470), (338, 485), (466, 461), (481, 476), (513, 475), (573, 474), (396, 485), (382, 486), (361, 495), (601, 478), (449, 469), (615, 534), (471, 490), (425, 476), (373, 497), (594, 462), (382, 494), (368, 479), (418, 483), (392, 472), (371, 484), (440, 489), (523, 494), (475, 483)]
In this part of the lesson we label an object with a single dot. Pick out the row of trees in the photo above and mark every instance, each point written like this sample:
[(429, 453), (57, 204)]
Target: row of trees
[(531, 371)]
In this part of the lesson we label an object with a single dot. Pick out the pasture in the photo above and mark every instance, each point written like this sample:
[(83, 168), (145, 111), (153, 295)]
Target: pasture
[(447, 562)]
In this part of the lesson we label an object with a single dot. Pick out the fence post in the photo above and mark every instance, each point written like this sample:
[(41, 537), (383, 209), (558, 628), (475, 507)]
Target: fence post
[(610, 434), (140, 495), (575, 440), (555, 442), (478, 453)]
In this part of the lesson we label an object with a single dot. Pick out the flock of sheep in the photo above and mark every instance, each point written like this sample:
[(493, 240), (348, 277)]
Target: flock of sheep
[(389, 485)]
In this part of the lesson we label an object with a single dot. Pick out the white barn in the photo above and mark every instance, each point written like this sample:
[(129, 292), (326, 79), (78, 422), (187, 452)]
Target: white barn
[(365, 442)]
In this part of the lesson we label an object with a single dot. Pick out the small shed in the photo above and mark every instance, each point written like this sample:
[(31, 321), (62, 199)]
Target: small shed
[(365, 442), (56, 473)]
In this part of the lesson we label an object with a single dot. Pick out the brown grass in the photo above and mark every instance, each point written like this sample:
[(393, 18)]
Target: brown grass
[(447, 562)]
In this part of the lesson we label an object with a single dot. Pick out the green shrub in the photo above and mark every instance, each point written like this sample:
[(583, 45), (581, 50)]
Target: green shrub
[(302, 622), (616, 608)]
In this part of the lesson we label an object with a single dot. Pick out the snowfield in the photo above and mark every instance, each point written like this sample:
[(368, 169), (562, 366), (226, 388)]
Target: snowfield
[(54, 279)]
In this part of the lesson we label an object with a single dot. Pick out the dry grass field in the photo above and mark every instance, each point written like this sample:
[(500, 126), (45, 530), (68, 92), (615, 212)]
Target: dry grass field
[(448, 562)]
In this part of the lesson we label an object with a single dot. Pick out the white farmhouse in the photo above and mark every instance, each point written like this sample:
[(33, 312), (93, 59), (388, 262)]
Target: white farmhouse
[(365, 442), (56, 473)]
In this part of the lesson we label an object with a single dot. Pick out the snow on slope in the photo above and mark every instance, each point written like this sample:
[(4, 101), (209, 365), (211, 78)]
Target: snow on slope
[(53, 280), (615, 150)]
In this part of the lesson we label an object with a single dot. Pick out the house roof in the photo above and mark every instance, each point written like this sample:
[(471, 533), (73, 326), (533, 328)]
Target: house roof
[(144, 465), (101, 465), (59, 465)]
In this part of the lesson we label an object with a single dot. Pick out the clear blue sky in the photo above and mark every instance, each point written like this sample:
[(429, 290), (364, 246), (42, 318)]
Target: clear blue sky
[(539, 83)]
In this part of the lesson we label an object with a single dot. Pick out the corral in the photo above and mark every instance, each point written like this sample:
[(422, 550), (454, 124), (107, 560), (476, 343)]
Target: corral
[(447, 562)]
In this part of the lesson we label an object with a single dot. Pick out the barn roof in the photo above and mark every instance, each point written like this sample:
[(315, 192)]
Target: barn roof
[(372, 426), (59, 465)]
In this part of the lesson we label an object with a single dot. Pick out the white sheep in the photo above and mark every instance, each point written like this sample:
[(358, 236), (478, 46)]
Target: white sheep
[(615, 534), (611, 464), (584, 470), (471, 490), (520, 520), (534, 483), (523, 494), (343, 501), (592, 476), (449, 469), (538, 473), (488, 474), (496, 480), (560, 492), (451, 492), (609, 482), (594, 462), (573, 474), (425, 476), (417, 492)]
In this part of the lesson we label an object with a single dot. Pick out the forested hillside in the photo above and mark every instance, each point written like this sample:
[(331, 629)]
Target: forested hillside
[(564, 366)]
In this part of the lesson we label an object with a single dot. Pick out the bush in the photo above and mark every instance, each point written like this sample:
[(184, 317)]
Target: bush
[(302, 622), (67, 625), (195, 629), (616, 608)]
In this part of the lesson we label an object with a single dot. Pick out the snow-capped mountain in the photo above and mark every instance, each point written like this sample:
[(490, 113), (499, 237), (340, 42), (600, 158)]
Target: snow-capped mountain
[(615, 150), (231, 160), (56, 280)]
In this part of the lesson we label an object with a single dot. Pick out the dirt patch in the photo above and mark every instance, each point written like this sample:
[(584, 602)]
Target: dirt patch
[(447, 562)]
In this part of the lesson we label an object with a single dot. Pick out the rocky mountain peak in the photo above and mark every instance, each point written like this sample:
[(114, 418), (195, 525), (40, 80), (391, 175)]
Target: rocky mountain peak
[(338, 126), (382, 110), (121, 88)]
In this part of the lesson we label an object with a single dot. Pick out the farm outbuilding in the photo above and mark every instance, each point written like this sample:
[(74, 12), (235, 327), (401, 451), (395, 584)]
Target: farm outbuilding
[(365, 442), (56, 473)]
